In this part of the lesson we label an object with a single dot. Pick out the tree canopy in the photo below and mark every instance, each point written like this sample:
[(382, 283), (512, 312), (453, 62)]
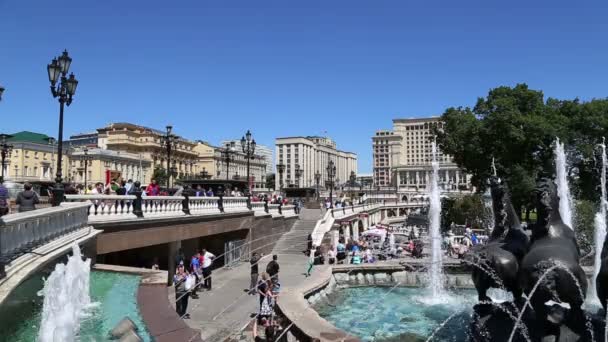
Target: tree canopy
[(517, 127)]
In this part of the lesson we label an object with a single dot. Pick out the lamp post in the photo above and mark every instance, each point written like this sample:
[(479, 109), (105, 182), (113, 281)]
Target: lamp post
[(281, 169), (204, 174), (227, 157), (331, 173), (248, 147), (2, 89), (169, 142), (317, 181), (352, 179), (63, 88), (86, 159), (5, 151), (298, 174)]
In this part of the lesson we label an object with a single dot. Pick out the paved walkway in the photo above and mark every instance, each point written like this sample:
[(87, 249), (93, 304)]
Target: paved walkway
[(224, 311)]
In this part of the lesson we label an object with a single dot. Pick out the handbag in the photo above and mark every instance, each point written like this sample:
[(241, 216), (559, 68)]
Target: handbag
[(266, 309), (189, 282)]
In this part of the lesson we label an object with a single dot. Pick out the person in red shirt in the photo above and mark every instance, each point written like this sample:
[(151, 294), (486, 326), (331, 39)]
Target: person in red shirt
[(153, 189)]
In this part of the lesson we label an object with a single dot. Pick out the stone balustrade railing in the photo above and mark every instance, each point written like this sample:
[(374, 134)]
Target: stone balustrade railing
[(324, 225), (121, 207), (23, 232)]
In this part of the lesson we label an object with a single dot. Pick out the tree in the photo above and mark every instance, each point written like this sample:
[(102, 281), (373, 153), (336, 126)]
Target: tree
[(160, 175), (584, 225), (467, 210), (270, 181), (511, 125)]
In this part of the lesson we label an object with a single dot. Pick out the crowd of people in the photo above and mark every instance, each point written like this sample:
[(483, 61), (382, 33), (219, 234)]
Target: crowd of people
[(191, 276), (26, 200)]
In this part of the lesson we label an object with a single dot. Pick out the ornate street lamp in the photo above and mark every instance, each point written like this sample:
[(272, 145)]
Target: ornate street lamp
[(351, 183), (227, 157), (331, 173), (86, 159), (5, 151), (317, 180), (63, 88), (1, 92), (281, 169), (169, 143), (298, 174), (248, 147), (204, 174)]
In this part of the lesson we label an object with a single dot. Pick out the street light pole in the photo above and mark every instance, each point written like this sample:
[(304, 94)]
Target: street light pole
[(5, 151), (169, 142), (2, 89), (281, 169), (331, 173), (63, 88), (317, 180), (248, 147)]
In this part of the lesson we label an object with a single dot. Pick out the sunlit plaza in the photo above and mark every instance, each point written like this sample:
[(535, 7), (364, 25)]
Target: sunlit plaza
[(327, 171)]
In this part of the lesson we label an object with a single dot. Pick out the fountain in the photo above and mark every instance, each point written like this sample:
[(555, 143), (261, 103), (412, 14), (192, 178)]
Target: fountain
[(563, 189), (66, 299), (436, 269), (600, 225)]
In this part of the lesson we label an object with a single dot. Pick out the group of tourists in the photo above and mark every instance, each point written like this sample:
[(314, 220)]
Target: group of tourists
[(190, 277)]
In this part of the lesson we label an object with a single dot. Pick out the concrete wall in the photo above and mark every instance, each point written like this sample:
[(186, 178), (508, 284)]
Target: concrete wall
[(266, 231)]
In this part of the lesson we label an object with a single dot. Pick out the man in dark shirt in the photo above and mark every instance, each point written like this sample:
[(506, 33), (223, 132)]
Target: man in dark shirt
[(273, 269), (255, 258)]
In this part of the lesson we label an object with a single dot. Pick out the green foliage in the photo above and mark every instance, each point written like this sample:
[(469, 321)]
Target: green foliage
[(160, 174), (517, 128), (468, 209), (584, 225)]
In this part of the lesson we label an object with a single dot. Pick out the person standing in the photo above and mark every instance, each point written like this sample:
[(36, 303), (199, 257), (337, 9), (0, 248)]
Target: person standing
[(153, 189), (207, 262), (194, 268), (4, 198), (27, 199), (129, 186), (311, 262), (273, 268), (255, 259), (181, 294)]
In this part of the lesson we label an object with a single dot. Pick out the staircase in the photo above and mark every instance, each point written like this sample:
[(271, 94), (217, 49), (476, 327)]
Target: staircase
[(295, 241)]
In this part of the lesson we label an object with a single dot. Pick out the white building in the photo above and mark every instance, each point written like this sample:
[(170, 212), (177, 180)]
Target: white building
[(261, 151), (311, 154), (404, 155)]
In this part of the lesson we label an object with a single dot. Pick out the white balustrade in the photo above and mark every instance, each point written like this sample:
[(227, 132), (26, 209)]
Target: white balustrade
[(106, 207), (21, 232), (203, 205), (234, 204), (288, 210), (257, 206), (155, 206)]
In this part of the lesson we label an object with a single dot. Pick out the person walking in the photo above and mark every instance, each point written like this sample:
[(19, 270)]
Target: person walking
[(27, 199), (255, 259), (194, 268), (273, 268), (4, 198), (311, 262), (207, 262), (181, 293)]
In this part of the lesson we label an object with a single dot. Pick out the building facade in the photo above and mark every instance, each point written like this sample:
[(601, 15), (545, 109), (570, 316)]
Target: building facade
[(261, 151), (403, 158), (311, 155), (147, 144), (236, 168), (107, 165), (33, 159)]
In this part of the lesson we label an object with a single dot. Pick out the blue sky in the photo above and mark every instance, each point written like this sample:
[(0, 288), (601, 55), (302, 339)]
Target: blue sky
[(214, 69)]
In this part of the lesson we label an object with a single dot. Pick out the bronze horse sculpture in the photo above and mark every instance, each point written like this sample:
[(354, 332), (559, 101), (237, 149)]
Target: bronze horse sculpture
[(497, 262), (553, 248)]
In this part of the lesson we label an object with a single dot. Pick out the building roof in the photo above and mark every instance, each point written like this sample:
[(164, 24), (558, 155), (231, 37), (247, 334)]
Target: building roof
[(415, 120), (26, 136)]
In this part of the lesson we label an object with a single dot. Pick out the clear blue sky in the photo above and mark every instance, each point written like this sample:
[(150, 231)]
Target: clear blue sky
[(280, 68)]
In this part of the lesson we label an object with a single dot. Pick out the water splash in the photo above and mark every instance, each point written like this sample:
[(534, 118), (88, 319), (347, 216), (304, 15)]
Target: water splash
[(66, 299), (600, 227), (566, 210), (436, 270)]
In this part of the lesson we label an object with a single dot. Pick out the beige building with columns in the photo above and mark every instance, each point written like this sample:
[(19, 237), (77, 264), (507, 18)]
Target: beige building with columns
[(403, 157), (311, 154), (108, 165)]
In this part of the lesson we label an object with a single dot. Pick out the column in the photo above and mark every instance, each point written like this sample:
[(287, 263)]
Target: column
[(173, 250), (356, 231), (457, 178)]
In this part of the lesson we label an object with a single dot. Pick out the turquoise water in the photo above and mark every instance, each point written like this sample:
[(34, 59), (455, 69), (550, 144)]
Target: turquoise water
[(115, 295), (399, 314)]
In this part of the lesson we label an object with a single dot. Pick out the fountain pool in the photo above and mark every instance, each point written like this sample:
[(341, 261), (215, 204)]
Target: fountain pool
[(398, 314), (115, 294)]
